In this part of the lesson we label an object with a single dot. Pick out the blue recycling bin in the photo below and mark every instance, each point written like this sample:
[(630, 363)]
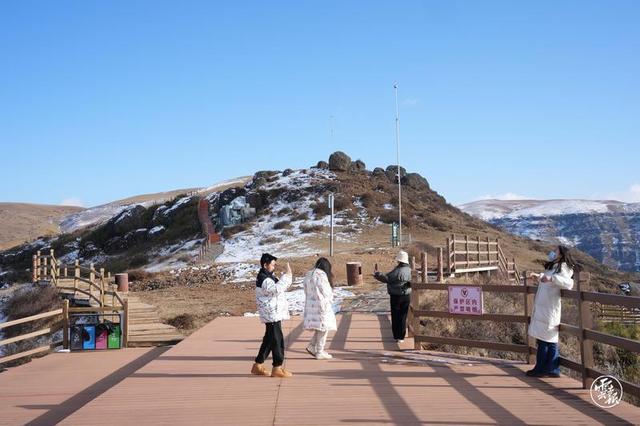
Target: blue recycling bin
[(89, 337)]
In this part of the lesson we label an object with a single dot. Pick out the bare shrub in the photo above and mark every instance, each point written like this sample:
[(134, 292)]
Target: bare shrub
[(232, 230), (182, 321), (285, 224), (24, 303), (270, 240), (139, 275), (306, 229), (320, 209), (300, 216)]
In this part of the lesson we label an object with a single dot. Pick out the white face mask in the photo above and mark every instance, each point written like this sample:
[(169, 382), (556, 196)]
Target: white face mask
[(552, 256)]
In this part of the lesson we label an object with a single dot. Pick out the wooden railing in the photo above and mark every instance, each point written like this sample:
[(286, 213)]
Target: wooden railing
[(466, 255), (211, 238), (62, 323), (95, 284), (583, 330)]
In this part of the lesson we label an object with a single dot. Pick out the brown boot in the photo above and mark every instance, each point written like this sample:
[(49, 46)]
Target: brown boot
[(281, 372), (259, 370)]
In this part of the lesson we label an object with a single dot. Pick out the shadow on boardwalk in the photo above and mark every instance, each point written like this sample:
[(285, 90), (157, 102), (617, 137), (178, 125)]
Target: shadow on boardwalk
[(371, 380)]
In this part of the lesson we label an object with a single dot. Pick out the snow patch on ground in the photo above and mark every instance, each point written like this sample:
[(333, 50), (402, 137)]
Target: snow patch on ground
[(239, 272), (95, 216), (175, 256)]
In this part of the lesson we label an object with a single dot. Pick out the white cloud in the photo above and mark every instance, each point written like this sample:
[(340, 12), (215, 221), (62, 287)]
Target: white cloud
[(76, 202), (631, 195), (509, 196)]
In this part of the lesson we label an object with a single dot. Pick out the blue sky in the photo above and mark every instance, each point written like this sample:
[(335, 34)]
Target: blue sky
[(103, 100)]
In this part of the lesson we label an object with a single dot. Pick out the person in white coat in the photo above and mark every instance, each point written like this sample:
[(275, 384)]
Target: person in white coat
[(547, 308), (318, 307), (273, 308)]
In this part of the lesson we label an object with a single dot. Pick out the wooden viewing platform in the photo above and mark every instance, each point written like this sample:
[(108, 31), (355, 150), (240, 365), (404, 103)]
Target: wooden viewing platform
[(205, 380)]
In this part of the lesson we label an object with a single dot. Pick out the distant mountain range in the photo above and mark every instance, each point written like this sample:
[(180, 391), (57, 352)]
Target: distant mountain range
[(607, 230)]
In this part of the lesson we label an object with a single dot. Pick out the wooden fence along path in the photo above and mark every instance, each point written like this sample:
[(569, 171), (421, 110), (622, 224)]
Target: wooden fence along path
[(466, 255), (371, 380), (584, 329)]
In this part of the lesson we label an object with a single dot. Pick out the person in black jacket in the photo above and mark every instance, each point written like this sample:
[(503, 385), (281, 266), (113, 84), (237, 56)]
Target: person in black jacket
[(399, 288)]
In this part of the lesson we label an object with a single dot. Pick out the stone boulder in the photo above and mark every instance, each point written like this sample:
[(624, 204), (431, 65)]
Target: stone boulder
[(266, 174), (322, 165), (415, 181), (358, 166), (339, 161), (379, 172), (392, 173), (287, 172)]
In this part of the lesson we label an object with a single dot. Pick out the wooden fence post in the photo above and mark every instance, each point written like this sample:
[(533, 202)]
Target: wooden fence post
[(44, 268), (448, 253), (440, 266), (65, 324), (423, 261), (125, 325), (466, 249), (528, 310), (585, 321), (76, 275), (34, 269), (38, 265)]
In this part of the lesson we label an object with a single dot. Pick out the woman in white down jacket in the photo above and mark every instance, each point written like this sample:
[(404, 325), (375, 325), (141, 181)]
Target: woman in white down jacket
[(547, 309), (318, 307)]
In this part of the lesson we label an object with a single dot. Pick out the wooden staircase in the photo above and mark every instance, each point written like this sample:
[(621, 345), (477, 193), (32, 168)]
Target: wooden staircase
[(146, 328), (93, 288)]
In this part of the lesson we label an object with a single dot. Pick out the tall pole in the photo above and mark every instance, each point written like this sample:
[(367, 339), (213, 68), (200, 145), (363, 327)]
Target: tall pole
[(331, 229), (395, 87), (331, 126)]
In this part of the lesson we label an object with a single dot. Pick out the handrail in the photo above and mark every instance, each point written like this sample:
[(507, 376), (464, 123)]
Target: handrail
[(584, 330), (30, 318)]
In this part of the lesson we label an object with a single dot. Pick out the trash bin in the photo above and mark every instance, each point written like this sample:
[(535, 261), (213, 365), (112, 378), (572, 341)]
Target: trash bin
[(354, 273), (89, 337), (102, 334), (75, 337), (113, 340), (122, 281)]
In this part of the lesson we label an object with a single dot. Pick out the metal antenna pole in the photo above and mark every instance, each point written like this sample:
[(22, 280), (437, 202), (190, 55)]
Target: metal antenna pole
[(395, 87), (331, 125)]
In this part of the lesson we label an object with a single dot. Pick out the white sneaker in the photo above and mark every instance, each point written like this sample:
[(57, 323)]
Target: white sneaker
[(323, 355), (399, 341), (311, 351)]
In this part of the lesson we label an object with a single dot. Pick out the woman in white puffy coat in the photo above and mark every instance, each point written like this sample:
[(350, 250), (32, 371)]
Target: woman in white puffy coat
[(547, 308), (318, 307)]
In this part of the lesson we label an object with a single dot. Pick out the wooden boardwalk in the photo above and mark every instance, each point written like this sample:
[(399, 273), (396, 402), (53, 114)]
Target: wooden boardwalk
[(205, 380)]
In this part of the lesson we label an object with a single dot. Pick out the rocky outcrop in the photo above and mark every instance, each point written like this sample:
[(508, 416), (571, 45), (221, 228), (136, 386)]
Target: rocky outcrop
[(415, 181), (339, 161), (392, 173), (358, 166)]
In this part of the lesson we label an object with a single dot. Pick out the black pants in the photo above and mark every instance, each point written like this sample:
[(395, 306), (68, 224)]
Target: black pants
[(399, 310), (273, 341)]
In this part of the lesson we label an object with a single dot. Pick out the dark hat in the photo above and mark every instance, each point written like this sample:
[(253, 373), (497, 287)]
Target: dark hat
[(266, 258)]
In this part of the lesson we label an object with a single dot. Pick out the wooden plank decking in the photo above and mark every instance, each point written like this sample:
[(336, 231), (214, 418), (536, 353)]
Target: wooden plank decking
[(205, 380)]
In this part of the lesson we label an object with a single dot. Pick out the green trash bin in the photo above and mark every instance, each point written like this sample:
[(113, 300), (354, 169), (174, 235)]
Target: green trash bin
[(113, 341)]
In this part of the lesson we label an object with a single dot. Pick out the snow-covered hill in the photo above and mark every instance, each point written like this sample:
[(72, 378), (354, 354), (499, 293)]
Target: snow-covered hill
[(511, 209), (607, 230)]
